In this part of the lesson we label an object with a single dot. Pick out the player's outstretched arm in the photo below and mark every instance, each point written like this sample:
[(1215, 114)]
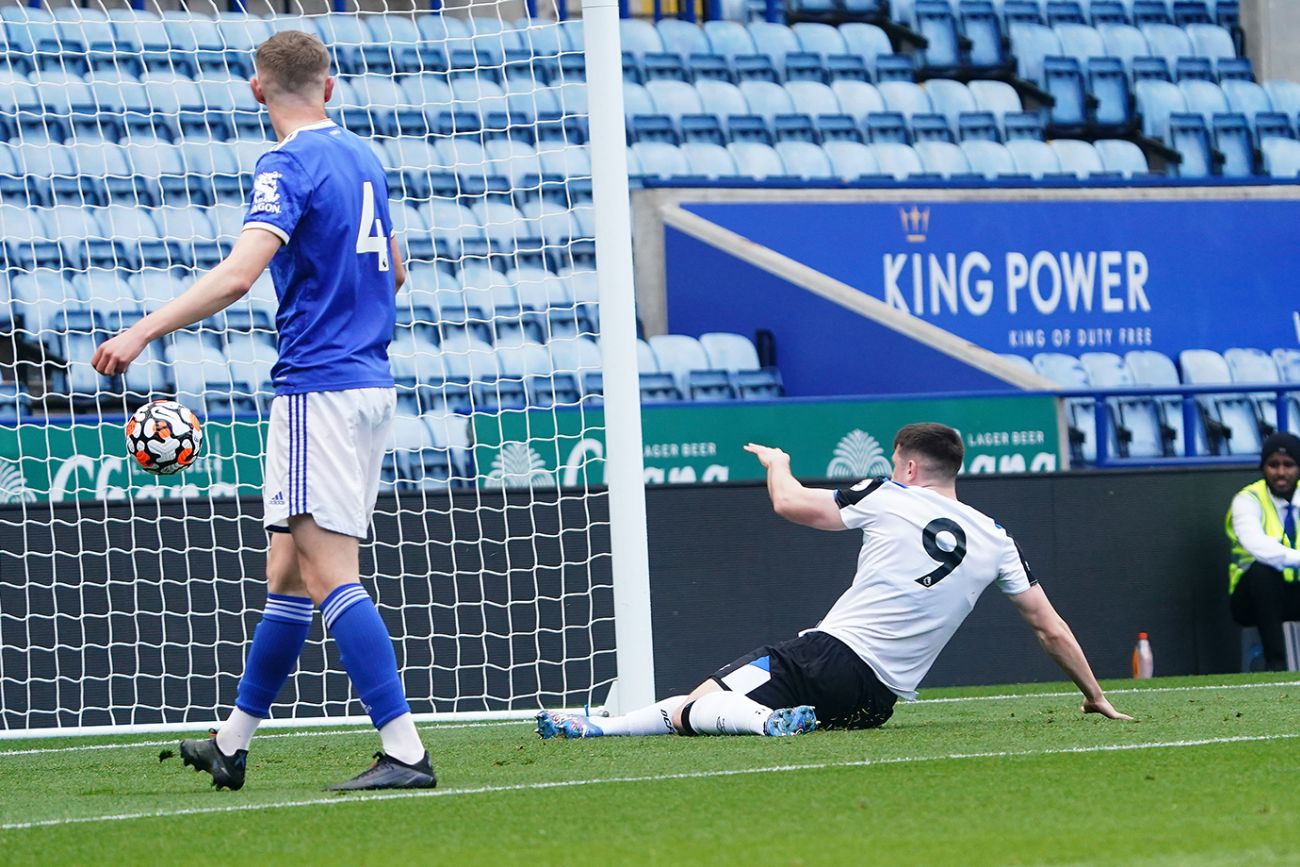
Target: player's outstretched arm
[(1056, 638), (812, 507), (213, 292)]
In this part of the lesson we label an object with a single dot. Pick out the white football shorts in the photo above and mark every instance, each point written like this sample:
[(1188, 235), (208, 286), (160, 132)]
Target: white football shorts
[(324, 451)]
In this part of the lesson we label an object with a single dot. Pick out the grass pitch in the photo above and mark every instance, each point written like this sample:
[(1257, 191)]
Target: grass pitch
[(1000, 775)]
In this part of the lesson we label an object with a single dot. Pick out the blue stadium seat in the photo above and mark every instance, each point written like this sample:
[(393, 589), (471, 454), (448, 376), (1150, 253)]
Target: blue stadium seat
[(1080, 41), (905, 98), (1125, 42), (1063, 79), (888, 126), (1250, 366), (895, 67), (997, 97), (766, 99), (989, 158), (1273, 124), (1078, 158), (1109, 86), (950, 98), (820, 39), (1204, 98), (1192, 12), (729, 39), (683, 38), (1284, 95), (936, 22), (1234, 69), (722, 98), (1234, 411), (978, 126), (858, 98), (1022, 12), (943, 158), (1081, 413), (1211, 40), (1190, 136), (679, 355), (26, 240), (1246, 97), (813, 98), (757, 160), (1231, 136), (1195, 68), (981, 25), (1147, 12), (1139, 430), (38, 296), (1065, 12), (1122, 157), (1156, 101), (805, 159), (1034, 158), (660, 159), (1032, 43), (851, 160), (866, 41), (898, 160), (1281, 157), (1023, 125), (640, 36), (73, 228), (674, 98), (1168, 41)]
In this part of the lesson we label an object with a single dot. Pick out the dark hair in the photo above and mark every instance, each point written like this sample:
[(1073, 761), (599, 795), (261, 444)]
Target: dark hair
[(292, 63), (937, 446)]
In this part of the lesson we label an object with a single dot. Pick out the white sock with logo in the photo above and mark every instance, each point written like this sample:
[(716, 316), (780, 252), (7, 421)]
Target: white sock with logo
[(653, 719), (401, 740), (726, 713)]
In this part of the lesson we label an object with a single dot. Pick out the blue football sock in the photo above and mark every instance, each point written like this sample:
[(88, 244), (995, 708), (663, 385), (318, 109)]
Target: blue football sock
[(366, 651), (277, 643)]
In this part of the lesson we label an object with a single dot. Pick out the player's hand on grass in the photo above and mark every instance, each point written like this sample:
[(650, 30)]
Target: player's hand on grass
[(114, 355), (767, 455), (1103, 707)]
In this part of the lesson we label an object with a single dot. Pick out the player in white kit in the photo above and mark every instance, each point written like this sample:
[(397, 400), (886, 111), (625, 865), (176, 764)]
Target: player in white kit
[(926, 557)]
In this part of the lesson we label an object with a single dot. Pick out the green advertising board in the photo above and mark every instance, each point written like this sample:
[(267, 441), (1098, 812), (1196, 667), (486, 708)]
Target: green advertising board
[(825, 439), (52, 462)]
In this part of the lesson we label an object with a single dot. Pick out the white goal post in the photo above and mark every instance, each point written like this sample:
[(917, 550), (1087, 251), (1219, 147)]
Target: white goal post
[(508, 554)]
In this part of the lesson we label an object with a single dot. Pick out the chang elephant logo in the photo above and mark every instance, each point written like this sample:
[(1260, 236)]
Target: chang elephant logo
[(517, 465), (13, 486), (858, 455)]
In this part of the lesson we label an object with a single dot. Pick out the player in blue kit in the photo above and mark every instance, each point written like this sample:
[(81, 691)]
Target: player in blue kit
[(319, 217)]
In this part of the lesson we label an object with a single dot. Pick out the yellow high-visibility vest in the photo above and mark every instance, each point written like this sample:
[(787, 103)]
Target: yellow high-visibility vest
[(1243, 559)]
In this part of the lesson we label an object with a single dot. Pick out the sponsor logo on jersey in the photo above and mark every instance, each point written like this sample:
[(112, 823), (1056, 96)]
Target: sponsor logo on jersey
[(266, 194)]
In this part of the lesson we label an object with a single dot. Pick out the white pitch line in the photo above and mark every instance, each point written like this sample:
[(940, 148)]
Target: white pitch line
[(1127, 691), (564, 784), (298, 733)]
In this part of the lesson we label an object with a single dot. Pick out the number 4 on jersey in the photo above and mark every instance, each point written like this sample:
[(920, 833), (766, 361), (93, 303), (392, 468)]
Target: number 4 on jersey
[(367, 242)]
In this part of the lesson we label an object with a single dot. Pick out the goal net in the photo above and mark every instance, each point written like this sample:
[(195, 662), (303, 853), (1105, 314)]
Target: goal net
[(129, 143)]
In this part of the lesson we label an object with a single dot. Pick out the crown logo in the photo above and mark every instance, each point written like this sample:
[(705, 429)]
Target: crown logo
[(916, 223)]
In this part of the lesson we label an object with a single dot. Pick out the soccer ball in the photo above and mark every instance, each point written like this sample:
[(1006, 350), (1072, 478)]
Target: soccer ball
[(164, 437)]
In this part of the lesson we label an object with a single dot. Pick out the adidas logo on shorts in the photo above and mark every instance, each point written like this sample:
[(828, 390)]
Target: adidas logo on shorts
[(278, 499)]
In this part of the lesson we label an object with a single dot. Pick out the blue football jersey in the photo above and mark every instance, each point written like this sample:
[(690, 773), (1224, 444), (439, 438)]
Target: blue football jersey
[(323, 192)]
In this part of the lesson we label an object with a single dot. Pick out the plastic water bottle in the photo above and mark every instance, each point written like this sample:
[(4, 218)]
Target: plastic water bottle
[(1143, 662)]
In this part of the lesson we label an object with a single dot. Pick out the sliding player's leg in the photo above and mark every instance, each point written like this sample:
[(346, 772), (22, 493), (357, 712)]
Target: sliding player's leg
[(329, 564), (277, 644), (742, 699), (653, 719)]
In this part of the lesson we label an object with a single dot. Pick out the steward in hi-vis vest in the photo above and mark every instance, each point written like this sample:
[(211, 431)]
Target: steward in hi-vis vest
[(1261, 525)]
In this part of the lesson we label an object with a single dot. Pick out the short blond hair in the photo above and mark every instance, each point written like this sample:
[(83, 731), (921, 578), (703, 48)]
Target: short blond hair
[(292, 63)]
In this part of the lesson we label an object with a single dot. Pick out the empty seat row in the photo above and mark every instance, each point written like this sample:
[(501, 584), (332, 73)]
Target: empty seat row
[(1224, 13), (1149, 427), (852, 161)]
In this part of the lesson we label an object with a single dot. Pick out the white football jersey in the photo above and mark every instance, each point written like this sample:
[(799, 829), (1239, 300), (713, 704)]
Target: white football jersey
[(925, 560)]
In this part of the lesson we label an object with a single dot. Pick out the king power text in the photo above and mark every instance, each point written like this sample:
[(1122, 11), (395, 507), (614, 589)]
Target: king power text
[(1105, 281)]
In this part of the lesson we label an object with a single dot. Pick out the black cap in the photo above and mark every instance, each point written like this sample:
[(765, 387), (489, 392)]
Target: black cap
[(1286, 443)]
